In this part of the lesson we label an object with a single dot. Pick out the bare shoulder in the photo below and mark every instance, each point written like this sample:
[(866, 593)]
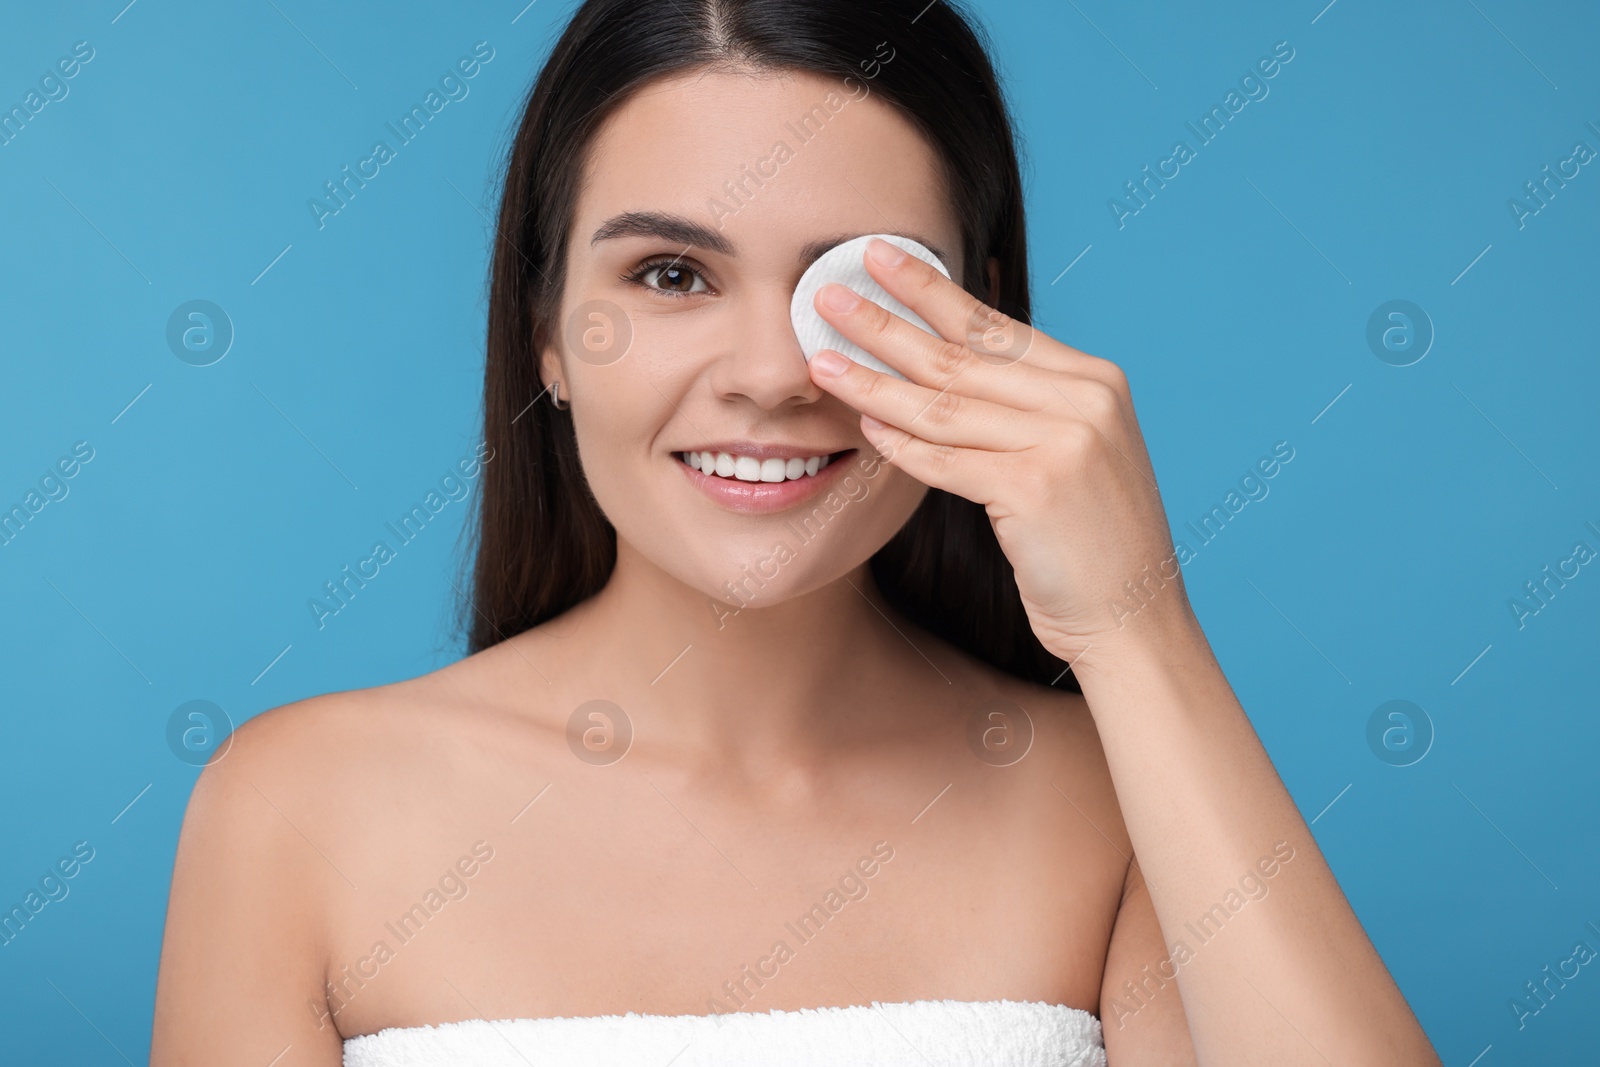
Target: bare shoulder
[(1046, 792), (314, 814), (307, 752), (353, 781), (255, 876), (1051, 735), (267, 801), (1058, 719), (1069, 743)]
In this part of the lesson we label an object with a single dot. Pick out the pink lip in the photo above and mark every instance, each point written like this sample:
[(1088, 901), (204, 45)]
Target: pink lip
[(763, 497)]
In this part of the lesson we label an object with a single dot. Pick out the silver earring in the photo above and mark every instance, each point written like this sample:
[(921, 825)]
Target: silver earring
[(555, 396)]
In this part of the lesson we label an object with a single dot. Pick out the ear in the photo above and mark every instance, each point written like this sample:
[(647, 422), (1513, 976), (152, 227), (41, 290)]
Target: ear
[(550, 369), (994, 282)]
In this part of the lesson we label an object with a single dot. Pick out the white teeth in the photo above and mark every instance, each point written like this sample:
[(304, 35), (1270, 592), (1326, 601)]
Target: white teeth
[(751, 469)]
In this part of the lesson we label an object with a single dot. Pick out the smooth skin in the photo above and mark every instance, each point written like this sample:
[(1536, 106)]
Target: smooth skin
[(774, 746)]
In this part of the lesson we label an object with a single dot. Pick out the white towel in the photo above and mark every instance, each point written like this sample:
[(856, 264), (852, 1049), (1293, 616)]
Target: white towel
[(924, 1033)]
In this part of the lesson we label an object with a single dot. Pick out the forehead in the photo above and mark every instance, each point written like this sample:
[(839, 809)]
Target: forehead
[(772, 160)]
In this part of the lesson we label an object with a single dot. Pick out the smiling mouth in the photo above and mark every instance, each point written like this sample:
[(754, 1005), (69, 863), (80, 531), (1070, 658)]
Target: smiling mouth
[(734, 468)]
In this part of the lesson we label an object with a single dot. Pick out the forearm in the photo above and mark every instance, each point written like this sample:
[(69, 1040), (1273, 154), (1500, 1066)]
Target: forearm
[(1283, 973)]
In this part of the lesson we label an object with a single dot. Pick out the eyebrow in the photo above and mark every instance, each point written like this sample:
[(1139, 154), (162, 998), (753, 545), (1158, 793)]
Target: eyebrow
[(674, 228), (680, 230)]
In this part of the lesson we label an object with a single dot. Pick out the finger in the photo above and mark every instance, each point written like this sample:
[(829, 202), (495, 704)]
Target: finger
[(962, 318), (924, 358), (941, 416), (967, 472)]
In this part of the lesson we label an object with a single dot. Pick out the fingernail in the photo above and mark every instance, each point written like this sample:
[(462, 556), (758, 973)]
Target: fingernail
[(838, 297), (829, 363), (884, 252)]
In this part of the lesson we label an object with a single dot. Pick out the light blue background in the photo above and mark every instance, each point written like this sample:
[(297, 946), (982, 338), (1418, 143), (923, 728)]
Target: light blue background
[(1379, 567)]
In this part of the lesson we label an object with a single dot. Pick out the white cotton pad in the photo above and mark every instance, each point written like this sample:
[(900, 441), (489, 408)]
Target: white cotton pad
[(843, 264)]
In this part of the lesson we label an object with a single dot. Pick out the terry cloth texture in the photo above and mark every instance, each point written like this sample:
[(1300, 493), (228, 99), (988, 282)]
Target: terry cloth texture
[(924, 1033)]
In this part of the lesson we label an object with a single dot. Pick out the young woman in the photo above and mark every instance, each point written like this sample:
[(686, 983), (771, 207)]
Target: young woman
[(788, 770)]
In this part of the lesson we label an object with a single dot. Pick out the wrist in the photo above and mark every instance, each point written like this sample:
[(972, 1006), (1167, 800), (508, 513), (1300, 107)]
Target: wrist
[(1150, 641)]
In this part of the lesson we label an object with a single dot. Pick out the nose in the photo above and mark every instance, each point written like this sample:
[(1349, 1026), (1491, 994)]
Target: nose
[(760, 357)]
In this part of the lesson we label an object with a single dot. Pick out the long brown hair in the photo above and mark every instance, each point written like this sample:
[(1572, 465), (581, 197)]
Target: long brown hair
[(542, 543)]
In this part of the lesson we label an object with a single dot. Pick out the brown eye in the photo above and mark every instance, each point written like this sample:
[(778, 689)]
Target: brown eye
[(679, 279), (671, 276)]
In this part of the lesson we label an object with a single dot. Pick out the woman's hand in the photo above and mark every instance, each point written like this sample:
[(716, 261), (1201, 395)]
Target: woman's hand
[(1041, 434)]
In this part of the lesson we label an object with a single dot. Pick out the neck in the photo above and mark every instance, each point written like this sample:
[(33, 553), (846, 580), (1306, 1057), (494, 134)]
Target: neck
[(764, 683)]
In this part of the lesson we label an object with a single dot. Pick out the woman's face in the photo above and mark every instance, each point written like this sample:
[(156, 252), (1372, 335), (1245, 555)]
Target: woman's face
[(705, 197)]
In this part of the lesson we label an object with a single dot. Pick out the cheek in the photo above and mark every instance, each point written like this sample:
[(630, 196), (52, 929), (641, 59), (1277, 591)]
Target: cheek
[(894, 498), (620, 412), (616, 420)]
